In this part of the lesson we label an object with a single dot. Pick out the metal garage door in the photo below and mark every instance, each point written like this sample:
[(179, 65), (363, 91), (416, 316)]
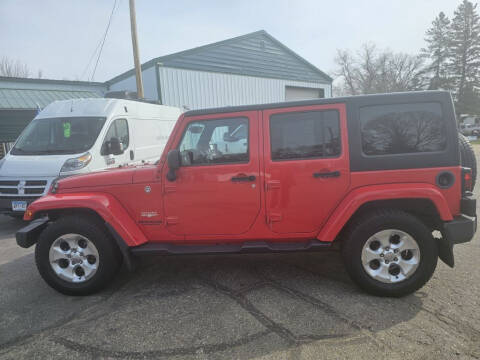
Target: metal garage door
[(293, 93)]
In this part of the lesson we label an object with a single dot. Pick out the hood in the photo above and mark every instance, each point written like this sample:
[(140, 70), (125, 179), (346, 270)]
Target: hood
[(33, 165), (119, 176)]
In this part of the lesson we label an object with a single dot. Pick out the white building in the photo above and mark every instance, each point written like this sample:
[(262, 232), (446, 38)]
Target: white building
[(250, 69)]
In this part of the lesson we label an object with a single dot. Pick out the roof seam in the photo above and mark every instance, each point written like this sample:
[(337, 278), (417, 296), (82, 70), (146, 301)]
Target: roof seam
[(177, 55), (60, 90)]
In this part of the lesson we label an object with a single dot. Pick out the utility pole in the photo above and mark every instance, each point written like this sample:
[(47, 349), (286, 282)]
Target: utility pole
[(136, 57)]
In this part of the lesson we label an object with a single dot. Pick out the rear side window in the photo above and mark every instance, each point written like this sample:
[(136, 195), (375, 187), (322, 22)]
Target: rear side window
[(305, 135), (402, 128)]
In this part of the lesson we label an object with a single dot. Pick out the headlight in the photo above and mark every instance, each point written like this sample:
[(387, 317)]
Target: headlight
[(54, 186), (1, 162), (76, 163)]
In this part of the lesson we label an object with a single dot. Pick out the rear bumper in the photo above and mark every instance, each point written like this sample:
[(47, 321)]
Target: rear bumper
[(460, 230), (468, 206)]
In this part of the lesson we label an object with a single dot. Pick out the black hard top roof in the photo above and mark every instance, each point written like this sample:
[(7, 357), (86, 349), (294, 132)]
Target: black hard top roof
[(410, 96)]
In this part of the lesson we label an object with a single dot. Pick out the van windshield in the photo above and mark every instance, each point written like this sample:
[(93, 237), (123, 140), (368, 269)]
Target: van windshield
[(67, 135)]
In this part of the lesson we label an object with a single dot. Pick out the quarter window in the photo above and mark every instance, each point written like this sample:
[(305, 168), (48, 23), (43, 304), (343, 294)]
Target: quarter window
[(304, 135), (119, 130), (219, 141), (402, 129)]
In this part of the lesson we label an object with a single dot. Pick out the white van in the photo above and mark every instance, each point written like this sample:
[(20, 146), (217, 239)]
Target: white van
[(76, 136)]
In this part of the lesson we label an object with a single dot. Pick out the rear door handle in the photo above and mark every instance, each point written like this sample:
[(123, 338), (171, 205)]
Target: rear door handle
[(330, 174), (243, 178)]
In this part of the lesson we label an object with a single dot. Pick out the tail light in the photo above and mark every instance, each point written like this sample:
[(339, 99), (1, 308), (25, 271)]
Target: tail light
[(467, 179)]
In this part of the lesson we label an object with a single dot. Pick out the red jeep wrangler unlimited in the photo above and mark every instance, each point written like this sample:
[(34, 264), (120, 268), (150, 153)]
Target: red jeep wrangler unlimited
[(378, 174)]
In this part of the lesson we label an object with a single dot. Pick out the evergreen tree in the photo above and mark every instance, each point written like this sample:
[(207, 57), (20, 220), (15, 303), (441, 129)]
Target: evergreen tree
[(437, 52), (465, 56)]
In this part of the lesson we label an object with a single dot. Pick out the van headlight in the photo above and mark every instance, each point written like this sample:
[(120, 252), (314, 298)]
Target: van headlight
[(54, 186), (76, 163)]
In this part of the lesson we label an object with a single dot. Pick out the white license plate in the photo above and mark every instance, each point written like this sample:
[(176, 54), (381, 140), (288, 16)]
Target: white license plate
[(19, 205)]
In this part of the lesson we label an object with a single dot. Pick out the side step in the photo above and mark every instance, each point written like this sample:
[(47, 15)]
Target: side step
[(245, 248)]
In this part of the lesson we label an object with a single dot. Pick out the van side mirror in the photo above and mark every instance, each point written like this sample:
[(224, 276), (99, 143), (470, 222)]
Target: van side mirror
[(227, 137), (115, 147), (173, 161)]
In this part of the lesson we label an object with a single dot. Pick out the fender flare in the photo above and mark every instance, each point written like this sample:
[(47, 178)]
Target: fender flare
[(360, 196), (105, 205)]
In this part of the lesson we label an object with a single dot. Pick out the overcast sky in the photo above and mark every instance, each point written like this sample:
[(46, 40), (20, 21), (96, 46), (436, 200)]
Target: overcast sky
[(60, 36)]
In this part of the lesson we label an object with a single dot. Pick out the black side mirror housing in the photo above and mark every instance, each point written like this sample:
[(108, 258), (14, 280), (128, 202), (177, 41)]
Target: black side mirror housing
[(173, 161), (229, 138), (115, 147)]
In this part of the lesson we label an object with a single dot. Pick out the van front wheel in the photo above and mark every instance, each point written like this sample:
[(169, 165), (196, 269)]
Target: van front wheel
[(389, 252), (76, 256)]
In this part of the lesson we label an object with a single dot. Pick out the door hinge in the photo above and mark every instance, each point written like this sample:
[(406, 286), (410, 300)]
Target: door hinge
[(171, 220), (272, 184), (274, 217), (170, 189)]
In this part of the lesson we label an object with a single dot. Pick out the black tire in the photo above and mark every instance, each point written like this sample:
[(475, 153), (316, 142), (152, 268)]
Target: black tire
[(110, 257), (467, 156), (368, 224)]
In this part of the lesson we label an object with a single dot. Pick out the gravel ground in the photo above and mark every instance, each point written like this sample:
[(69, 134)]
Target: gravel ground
[(293, 306)]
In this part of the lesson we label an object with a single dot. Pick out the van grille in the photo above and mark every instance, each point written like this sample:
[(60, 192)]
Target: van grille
[(9, 182), (36, 183), (8, 191), (20, 187), (34, 191)]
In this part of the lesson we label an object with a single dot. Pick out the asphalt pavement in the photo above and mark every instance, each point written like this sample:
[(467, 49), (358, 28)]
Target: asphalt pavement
[(288, 306)]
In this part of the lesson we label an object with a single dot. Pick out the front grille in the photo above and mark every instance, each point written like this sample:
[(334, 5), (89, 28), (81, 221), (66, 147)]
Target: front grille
[(9, 182), (19, 198), (8, 191), (36, 183), (34, 190), (22, 187)]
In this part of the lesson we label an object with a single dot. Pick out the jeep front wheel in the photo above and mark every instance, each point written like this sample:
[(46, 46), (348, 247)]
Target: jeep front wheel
[(389, 252), (76, 255)]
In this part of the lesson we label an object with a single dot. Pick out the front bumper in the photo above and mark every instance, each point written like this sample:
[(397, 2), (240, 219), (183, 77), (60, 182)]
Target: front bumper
[(6, 204), (28, 235)]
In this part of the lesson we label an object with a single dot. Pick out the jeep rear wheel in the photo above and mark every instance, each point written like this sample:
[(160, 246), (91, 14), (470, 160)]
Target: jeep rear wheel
[(389, 252), (76, 255)]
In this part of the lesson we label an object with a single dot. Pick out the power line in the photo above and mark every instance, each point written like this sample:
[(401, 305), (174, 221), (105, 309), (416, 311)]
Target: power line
[(103, 40), (90, 61)]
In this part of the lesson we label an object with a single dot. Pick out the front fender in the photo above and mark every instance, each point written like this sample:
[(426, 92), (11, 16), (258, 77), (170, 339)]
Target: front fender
[(360, 196), (105, 205)]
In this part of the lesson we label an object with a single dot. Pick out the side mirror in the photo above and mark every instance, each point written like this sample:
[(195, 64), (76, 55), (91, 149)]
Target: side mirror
[(173, 160), (227, 137), (115, 147)]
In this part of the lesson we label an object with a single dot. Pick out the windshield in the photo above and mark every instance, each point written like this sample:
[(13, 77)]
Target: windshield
[(67, 135)]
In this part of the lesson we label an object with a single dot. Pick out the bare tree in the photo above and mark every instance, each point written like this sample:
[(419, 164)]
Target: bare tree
[(370, 71), (12, 68)]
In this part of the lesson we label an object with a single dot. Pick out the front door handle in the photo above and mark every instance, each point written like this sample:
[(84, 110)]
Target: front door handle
[(243, 178), (328, 174)]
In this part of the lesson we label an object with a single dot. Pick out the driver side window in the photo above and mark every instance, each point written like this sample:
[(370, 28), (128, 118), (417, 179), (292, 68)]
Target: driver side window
[(118, 130), (220, 141)]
